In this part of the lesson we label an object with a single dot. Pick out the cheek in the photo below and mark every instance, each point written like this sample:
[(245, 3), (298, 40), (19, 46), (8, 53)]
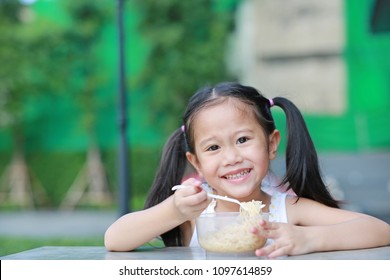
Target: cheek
[(207, 166), (261, 161)]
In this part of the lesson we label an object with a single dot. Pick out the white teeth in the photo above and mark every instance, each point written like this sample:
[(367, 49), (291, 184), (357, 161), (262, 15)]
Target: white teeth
[(237, 176)]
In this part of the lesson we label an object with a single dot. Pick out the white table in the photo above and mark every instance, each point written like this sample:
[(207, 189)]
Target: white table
[(179, 253)]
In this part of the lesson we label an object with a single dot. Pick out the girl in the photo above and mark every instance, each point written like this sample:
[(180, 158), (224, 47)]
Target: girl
[(229, 137)]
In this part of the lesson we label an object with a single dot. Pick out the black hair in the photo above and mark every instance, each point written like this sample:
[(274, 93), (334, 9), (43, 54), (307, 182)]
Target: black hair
[(303, 174)]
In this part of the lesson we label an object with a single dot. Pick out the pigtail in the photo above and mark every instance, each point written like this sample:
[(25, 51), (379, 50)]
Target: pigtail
[(302, 168), (169, 173)]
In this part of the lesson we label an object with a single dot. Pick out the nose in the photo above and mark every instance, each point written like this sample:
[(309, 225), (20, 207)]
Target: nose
[(231, 156)]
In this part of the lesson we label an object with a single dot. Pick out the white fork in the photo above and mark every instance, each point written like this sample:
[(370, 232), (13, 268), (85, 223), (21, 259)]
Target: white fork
[(226, 198)]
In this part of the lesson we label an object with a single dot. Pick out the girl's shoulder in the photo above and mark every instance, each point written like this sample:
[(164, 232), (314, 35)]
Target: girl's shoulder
[(300, 203), (287, 208), (304, 211)]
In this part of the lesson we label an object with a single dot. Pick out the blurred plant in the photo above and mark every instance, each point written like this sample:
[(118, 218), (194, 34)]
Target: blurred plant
[(27, 48), (188, 43), (83, 35)]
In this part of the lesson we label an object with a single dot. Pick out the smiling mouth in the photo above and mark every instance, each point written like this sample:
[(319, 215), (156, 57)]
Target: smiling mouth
[(237, 175)]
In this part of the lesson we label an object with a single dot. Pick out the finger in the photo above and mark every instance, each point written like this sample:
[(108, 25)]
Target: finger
[(266, 250), (271, 226), (254, 230), (187, 190), (267, 224), (195, 198), (262, 229), (263, 223), (278, 253), (201, 206), (262, 252), (192, 182), (259, 231)]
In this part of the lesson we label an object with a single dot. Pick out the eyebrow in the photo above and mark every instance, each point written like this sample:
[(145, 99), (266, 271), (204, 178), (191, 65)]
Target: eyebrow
[(204, 141)]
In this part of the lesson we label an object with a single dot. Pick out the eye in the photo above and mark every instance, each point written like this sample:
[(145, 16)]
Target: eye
[(213, 148), (242, 140)]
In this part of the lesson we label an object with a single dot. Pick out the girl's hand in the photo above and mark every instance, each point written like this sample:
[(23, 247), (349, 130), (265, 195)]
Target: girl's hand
[(287, 239), (191, 200)]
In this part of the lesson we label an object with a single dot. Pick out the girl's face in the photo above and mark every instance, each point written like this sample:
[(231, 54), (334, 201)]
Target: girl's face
[(232, 152)]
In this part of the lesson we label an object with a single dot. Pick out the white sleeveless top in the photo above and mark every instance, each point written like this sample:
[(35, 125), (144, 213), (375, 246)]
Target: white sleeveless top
[(277, 212)]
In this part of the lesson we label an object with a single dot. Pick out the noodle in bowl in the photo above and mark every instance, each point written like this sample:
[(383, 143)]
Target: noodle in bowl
[(229, 232)]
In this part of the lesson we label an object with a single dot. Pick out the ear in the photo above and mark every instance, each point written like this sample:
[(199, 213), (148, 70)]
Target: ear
[(273, 140), (194, 161)]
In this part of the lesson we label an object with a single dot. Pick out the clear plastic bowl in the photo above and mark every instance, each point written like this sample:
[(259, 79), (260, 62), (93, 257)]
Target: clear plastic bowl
[(228, 232)]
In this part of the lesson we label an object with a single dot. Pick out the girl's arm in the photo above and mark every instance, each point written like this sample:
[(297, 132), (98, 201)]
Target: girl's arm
[(135, 229), (315, 227)]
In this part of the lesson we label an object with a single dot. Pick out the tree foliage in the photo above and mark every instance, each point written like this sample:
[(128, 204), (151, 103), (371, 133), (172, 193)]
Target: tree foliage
[(30, 52), (188, 44), (82, 37), (40, 56)]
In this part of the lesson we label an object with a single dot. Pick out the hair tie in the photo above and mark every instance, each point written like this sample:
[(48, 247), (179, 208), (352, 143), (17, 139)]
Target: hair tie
[(271, 102)]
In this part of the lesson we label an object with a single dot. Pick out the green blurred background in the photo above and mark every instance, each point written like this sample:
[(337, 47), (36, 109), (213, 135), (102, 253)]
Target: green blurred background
[(59, 97), (59, 91), (58, 84)]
